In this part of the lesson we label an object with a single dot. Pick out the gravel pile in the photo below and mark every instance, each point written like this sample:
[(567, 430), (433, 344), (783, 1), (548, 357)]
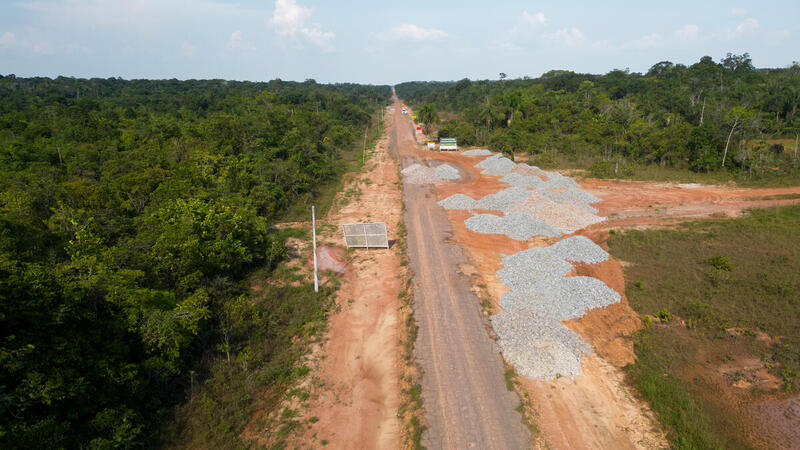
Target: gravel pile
[(496, 165), (551, 208), (537, 346), (446, 172), (504, 200), (476, 152), (540, 297), (520, 180), (419, 174), (516, 225), (458, 201)]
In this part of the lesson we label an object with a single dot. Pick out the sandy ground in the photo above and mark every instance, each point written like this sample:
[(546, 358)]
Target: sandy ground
[(639, 203), (355, 384)]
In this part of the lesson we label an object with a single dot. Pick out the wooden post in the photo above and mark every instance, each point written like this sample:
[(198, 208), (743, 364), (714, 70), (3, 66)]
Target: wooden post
[(314, 235)]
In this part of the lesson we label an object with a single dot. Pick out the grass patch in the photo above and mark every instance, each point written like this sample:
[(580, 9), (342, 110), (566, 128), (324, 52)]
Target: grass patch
[(598, 168), (714, 275), (776, 197)]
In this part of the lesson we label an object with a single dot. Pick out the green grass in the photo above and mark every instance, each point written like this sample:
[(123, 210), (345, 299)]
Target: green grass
[(655, 172), (713, 275), (776, 197)]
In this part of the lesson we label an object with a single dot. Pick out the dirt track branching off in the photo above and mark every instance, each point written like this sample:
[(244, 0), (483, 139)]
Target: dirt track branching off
[(721, 301)]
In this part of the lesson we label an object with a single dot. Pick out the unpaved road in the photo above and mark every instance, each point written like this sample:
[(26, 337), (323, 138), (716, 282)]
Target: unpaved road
[(355, 381), (465, 398)]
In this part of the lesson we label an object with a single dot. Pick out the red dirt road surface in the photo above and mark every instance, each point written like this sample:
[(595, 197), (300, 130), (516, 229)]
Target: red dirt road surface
[(465, 398)]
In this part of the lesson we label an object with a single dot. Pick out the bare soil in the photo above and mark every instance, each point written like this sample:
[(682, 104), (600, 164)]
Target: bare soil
[(355, 381), (642, 204)]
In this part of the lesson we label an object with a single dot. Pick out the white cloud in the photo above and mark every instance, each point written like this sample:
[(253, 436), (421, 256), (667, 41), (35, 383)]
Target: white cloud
[(416, 33), (567, 37), (647, 41), (687, 33), (738, 12), (7, 38), (236, 41), (289, 17), (290, 20), (747, 26), (533, 19)]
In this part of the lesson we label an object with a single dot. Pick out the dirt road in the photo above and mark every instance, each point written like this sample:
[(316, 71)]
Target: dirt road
[(355, 383), (465, 398)]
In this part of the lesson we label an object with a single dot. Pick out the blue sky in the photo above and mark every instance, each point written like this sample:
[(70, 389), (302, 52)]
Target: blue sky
[(381, 42)]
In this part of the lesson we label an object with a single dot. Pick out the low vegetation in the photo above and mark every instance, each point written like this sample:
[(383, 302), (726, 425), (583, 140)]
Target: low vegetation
[(714, 292)]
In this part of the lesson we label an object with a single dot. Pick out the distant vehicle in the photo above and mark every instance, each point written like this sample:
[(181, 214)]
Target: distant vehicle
[(404, 111)]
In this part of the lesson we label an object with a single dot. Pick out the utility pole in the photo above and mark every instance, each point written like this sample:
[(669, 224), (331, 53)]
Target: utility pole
[(314, 236)]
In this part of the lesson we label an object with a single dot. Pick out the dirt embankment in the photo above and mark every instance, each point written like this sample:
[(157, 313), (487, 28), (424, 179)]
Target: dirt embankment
[(354, 383)]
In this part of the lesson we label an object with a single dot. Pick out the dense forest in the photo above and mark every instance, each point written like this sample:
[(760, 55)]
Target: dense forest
[(130, 214), (709, 116)]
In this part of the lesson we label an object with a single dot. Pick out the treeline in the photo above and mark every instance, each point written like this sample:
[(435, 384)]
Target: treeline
[(707, 116), (130, 213)]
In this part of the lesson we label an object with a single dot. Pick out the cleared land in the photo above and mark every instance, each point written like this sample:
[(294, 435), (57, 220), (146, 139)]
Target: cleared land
[(719, 358), (466, 402)]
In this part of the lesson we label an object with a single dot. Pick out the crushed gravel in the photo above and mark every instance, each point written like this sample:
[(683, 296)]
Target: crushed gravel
[(476, 152), (446, 172), (540, 297), (496, 165), (419, 174), (538, 347), (458, 201), (516, 225)]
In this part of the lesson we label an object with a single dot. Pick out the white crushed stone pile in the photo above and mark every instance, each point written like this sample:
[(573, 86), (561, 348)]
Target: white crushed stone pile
[(458, 201), (565, 217), (476, 152), (419, 174), (496, 165), (537, 346), (563, 299), (446, 172), (516, 225), (540, 297)]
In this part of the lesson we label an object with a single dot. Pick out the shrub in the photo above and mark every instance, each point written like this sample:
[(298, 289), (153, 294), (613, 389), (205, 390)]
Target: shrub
[(602, 169), (719, 263)]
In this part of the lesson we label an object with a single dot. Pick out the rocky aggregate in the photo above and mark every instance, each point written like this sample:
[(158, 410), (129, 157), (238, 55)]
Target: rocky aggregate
[(538, 347), (516, 225), (477, 152), (496, 165), (419, 174), (540, 297)]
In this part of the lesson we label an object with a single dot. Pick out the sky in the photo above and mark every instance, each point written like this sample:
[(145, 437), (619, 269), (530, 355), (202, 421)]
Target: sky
[(382, 42)]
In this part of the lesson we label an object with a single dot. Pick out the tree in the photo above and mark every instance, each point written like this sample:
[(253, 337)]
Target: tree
[(428, 116), (736, 117)]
